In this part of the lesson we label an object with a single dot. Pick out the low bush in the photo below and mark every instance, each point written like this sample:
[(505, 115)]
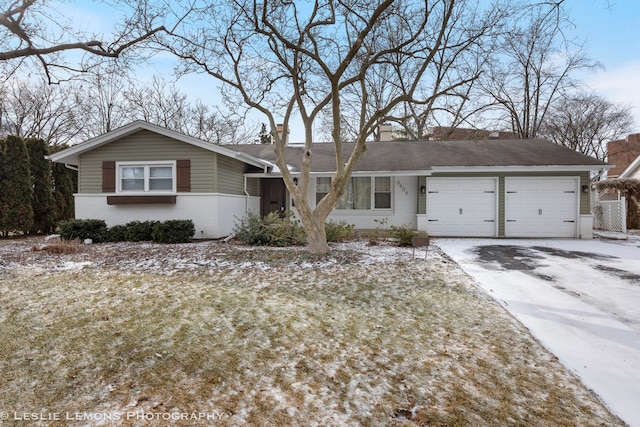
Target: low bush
[(173, 231), (81, 229), (403, 235), (339, 231), (141, 231), (118, 233), (271, 230)]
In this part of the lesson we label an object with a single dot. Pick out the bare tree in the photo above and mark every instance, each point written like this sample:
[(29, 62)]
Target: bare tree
[(38, 110), (103, 105), (585, 122), (534, 66), (160, 103), (33, 32), (283, 59), (103, 101), (449, 94)]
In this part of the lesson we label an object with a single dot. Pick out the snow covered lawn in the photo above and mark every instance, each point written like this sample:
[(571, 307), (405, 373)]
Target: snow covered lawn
[(218, 334)]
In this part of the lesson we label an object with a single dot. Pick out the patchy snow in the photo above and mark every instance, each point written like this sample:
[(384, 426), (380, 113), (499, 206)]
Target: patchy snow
[(367, 335), (580, 298)]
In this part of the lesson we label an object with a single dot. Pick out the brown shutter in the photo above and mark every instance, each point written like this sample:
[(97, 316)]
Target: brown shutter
[(109, 177), (183, 176)]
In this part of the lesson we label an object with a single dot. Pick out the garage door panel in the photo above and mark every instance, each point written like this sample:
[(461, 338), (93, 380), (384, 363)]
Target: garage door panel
[(461, 207), (541, 207)]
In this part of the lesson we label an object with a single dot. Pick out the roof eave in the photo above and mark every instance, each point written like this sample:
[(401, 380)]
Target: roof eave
[(70, 155), (521, 168), (630, 169)]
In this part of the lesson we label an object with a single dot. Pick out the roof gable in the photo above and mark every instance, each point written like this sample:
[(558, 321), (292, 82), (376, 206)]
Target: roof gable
[(632, 170), (70, 155)]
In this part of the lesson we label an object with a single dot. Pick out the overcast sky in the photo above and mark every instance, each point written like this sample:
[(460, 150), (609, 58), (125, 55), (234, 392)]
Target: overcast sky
[(610, 31)]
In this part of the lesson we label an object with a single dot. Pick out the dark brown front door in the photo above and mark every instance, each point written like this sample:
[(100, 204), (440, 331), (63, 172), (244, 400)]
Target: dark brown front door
[(273, 196)]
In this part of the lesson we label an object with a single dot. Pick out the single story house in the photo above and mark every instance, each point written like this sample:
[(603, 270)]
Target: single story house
[(489, 188)]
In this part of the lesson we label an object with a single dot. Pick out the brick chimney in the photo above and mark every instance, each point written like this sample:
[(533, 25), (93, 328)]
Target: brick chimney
[(282, 134), (622, 152), (386, 133)]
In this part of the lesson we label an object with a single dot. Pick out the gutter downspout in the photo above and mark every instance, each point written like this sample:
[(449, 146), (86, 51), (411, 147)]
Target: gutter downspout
[(246, 195)]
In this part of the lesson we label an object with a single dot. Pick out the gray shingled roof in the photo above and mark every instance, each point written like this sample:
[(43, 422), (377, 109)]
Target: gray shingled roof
[(419, 155)]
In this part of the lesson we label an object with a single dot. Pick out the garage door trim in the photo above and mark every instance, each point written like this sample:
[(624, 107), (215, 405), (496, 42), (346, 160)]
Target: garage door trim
[(532, 221), (477, 191)]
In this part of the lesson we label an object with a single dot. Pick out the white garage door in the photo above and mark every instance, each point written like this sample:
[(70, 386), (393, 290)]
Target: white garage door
[(541, 207), (461, 207)]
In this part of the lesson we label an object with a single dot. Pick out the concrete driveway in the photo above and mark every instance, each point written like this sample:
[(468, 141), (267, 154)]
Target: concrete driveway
[(580, 298)]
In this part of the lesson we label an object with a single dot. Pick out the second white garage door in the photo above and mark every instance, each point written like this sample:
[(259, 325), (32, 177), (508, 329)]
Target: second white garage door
[(462, 207), (541, 207)]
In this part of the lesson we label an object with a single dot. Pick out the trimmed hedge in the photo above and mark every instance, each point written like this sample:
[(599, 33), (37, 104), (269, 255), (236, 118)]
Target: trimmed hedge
[(171, 231), (81, 229), (141, 231)]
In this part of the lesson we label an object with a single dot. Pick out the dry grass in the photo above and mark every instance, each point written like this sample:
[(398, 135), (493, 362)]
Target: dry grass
[(270, 337), (60, 247)]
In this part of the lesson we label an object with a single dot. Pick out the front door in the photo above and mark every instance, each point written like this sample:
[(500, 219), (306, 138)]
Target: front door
[(273, 196)]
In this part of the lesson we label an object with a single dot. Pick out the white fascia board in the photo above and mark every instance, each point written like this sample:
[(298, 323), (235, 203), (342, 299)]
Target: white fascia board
[(275, 173), (631, 168), (421, 172), (507, 169)]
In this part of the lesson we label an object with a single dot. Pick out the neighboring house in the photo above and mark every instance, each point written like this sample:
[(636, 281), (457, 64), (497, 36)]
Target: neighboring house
[(493, 188), (440, 133), (622, 153), (633, 170)]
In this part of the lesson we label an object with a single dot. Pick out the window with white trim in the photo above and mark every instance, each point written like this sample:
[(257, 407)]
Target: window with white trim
[(137, 177), (323, 186), (358, 194), (382, 192)]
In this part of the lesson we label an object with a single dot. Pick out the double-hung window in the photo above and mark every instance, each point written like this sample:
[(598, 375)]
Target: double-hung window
[(382, 192), (140, 177)]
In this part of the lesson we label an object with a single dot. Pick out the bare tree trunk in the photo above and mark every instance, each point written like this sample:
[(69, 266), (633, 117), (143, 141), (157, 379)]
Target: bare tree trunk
[(316, 235)]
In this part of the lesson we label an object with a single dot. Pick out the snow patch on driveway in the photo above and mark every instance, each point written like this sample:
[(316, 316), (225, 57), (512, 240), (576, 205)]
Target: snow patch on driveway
[(580, 298)]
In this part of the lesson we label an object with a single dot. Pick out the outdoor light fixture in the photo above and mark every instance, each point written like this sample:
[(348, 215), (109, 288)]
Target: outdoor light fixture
[(423, 189), (295, 181), (585, 189)]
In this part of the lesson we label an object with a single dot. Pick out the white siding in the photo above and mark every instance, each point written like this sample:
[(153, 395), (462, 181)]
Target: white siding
[(403, 210), (214, 215)]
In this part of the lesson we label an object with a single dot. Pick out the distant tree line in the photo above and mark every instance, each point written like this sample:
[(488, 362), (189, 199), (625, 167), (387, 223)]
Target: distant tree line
[(35, 194), (104, 101)]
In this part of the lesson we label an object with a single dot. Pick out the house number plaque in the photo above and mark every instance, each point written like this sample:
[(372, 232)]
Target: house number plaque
[(402, 187)]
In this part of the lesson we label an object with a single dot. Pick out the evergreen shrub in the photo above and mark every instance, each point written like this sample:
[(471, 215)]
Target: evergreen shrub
[(272, 230), (402, 235), (81, 229), (339, 231), (118, 233), (173, 231), (140, 231)]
